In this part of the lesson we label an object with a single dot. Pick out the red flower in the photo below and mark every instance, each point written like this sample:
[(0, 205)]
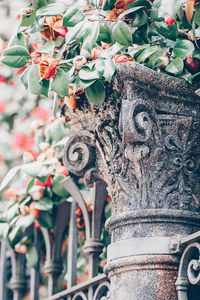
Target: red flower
[(47, 183), (3, 79), (192, 64), (48, 67), (41, 113), (169, 20), (22, 142), (120, 58), (32, 210), (36, 224), (2, 106), (61, 170), (52, 28)]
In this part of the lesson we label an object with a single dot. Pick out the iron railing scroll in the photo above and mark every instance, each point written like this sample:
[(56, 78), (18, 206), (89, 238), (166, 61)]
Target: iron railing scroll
[(23, 280), (189, 267)]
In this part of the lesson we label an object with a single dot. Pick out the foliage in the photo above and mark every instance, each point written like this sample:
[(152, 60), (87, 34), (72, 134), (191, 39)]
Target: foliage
[(76, 43)]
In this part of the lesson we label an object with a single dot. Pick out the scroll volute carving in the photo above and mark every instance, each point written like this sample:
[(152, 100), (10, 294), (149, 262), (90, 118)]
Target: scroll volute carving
[(80, 156)]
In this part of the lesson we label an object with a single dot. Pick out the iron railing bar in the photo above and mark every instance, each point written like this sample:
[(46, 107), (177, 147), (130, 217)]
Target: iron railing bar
[(195, 237), (96, 280), (3, 272), (35, 273), (72, 248)]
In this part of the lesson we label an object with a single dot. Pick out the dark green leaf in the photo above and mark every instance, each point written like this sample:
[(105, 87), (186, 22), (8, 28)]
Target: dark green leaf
[(30, 185), (37, 25), (96, 93), (183, 49), (55, 105), (155, 9), (104, 34), (146, 53), (130, 10), (44, 204), (72, 17), (14, 234), (197, 15), (121, 33), (39, 3), (140, 19), (27, 20), (51, 10), (176, 66), (85, 83), (15, 56), (32, 169), (45, 220), (168, 31), (57, 187), (35, 86), (60, 83), (32, 257), (108, 4)]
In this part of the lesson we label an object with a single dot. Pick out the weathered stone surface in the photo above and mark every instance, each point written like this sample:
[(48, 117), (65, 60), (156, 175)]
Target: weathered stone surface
[(144, 143)]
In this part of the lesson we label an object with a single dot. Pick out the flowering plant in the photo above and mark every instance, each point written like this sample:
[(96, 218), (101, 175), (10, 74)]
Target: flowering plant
[(79, 46)]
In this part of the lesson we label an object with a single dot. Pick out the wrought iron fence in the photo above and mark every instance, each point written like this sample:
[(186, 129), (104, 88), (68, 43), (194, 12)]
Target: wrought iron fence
[(16, 279)]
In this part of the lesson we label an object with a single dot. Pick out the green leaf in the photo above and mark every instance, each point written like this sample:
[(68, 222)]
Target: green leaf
[(85, 83), (39, 3), (57, 187), (30, 185), (71, 34), (37, 25), (176, 66), (45, 220), (146, 53), (32, 257), (55, 105), (27, 20), (62, 142), (47, 48), (130, 10), (183, 49), (86, 74), (12, 210), (32, 169), (19, 39), (168, 31), (9, 176), (35, 86), (104, 34), (96, 93), (197, 15), (109, 69), (108, 4), (52, 10), (155, 10), (44, 204), (60, 83), (111, 51), (14, 234), (24, 77), (25, 221), (133, 51), (91, 36), (121, 33), (170, 7), (72, 17), (140, 19), (15, 56)]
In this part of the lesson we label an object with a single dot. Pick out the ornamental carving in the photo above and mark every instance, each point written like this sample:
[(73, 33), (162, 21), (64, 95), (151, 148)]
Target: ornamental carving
[(144, 144)]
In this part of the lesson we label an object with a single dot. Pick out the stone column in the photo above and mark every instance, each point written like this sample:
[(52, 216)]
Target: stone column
[(144, 143)]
